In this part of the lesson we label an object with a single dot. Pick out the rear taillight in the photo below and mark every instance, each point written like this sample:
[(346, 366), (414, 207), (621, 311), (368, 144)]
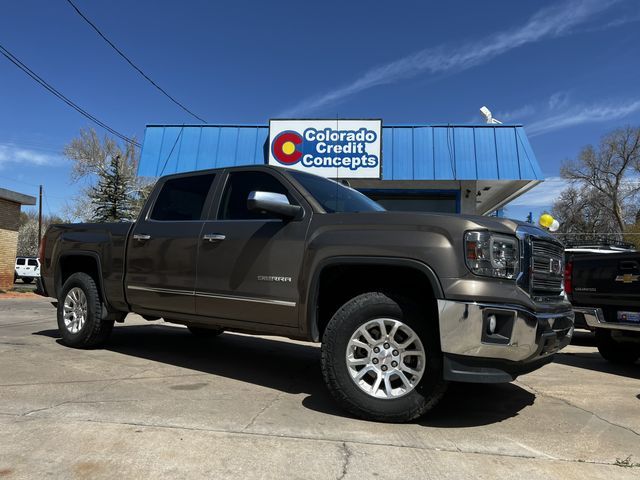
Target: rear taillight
[(41, 250), (568, 282)]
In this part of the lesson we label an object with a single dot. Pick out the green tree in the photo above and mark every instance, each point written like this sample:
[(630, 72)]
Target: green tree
[(111, 200), (112, 191)]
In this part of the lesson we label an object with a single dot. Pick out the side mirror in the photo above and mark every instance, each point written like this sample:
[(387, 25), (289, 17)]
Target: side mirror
[(271, 202)]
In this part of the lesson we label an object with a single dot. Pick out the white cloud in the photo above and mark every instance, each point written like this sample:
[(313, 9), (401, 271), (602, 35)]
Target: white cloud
[(550, 22), (543, 194), (516, 115), (583, 114), (14, 154), (558, 100)]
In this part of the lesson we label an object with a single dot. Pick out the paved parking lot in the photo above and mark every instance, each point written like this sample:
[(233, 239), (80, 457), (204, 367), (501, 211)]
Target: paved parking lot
[(157, 402)]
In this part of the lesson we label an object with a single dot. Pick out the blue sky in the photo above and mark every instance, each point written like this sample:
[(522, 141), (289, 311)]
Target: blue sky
[(567, 70)]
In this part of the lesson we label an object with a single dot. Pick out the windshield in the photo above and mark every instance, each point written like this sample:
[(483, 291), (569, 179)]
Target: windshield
[(334, 197)]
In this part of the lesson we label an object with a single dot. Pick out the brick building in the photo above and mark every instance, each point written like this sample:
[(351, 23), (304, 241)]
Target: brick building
[(10, 203)]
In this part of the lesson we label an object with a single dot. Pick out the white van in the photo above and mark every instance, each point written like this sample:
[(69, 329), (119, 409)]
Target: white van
[(27, 269)]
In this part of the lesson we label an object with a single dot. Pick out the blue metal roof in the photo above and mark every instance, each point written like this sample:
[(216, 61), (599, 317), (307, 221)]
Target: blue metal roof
[(409, 152)]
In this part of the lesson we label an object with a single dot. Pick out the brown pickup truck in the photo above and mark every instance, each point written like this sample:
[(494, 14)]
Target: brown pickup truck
[(401, 302)]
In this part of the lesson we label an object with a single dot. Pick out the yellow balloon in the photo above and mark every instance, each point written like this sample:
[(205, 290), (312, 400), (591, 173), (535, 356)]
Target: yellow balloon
[(545, 220)]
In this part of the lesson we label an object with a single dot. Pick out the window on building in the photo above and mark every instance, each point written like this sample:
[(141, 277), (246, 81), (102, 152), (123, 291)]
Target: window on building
[(182, 199), (236, 192)]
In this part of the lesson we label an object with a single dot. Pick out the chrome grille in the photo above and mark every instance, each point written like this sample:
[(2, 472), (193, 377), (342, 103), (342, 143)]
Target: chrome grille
[(547, 268)]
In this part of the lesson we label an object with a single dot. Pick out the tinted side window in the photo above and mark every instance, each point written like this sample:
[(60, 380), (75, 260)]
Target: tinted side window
[(182, 198), (20, 261), (32, 263), (236, 193)]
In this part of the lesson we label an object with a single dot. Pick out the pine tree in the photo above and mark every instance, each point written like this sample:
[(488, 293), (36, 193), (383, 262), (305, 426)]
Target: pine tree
[(113, 192), (112, 197)]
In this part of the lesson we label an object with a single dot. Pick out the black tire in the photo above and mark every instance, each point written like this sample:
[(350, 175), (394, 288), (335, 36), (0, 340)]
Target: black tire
[(616, 352), (27, 279), (202, 332), (95, 331), (355, 313)]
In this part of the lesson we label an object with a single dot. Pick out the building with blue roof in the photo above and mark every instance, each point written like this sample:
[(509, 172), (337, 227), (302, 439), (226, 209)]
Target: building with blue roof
[(473, 169)]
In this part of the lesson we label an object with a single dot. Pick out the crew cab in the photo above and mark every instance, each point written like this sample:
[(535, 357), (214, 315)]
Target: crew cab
[(402, 303), (605, 292)]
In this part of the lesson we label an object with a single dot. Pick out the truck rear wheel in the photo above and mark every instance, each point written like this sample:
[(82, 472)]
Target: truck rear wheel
[(614, 351), (381, 359), (80, 313)]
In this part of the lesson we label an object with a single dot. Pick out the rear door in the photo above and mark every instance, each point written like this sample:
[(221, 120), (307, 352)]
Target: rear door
[(249, 262), (163, 246), (33, 268)]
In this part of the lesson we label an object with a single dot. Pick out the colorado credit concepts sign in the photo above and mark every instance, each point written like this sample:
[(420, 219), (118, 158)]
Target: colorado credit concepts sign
[(330, 148)]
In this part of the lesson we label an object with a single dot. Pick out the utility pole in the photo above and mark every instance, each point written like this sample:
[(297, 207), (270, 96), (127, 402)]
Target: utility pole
[(40, 218)]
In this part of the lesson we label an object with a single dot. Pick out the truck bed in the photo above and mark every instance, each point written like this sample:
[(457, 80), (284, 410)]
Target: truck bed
[(106, 242), (611, 282)]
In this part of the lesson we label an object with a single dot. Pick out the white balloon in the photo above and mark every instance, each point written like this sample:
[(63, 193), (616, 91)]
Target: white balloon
[(555, 225)]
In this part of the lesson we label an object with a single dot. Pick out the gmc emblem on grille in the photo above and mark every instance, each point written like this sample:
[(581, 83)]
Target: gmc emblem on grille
[(555, 266)]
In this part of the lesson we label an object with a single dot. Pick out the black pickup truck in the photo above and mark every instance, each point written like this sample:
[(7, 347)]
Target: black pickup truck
[(604, 289), (402, 302)]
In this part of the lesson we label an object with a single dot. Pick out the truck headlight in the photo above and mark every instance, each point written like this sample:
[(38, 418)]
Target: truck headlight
[(492, 255)]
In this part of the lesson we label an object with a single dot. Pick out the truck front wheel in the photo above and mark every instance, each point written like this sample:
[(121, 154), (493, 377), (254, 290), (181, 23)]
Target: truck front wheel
[(381, 358), (80, 313), (615, 351)]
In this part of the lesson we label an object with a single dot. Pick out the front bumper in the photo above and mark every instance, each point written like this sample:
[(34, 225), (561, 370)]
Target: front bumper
[(521, 341), (595, 318)]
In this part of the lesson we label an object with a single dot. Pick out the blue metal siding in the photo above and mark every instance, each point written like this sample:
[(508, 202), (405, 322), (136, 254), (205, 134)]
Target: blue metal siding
[(486, 156), (420, 152), (507, 151), (529, 167), (402, 148), (423, 168), (443, 154), (465, 153)]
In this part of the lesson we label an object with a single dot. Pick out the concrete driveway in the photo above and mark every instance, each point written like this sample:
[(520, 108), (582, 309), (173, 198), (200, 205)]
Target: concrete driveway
[(157, 402)]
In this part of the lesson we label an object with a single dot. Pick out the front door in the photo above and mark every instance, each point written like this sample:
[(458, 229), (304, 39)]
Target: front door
[(163, 247), (249, 262)]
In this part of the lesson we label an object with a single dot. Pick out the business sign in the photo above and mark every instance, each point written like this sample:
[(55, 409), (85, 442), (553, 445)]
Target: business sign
[(330, 148)]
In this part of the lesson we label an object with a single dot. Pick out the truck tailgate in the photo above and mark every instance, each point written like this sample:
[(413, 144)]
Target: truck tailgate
[(610, 281)]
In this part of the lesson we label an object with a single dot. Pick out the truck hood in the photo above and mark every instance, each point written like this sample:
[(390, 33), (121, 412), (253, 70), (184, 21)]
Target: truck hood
[(443, 220)]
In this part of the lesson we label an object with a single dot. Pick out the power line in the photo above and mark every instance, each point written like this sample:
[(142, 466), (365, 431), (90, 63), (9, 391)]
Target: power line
[(13, 59), (133, 65), (171, 151)]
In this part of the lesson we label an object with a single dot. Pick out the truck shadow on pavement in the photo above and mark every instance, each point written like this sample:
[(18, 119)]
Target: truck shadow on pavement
[(295, 368), (594, 361)]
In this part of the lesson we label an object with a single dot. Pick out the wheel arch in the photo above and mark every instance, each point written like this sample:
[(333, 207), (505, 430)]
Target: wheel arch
[(314, 317), (74, 261)]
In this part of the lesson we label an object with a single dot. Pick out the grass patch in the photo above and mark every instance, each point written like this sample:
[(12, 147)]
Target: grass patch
[(626, 463)]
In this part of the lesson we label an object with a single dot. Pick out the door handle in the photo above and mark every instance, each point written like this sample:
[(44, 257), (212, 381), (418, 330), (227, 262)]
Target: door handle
[(214, 237), (141, 237)]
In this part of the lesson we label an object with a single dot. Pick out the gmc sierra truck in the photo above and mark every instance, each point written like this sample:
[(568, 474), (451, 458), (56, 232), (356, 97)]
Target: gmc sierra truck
[(402, 303), (605, 292)]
